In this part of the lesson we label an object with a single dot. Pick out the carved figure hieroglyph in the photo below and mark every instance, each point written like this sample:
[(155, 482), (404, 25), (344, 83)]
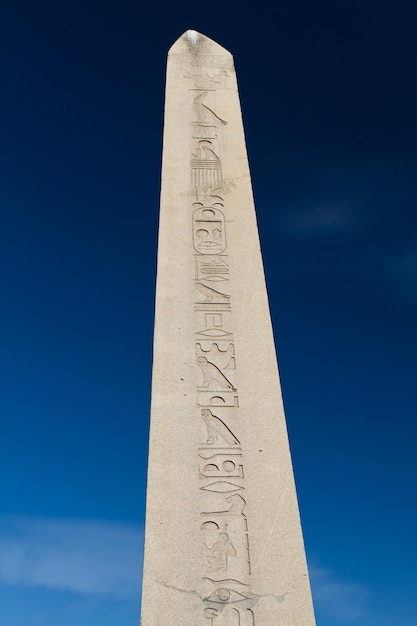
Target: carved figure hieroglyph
[(212, 376), (203, 112), (217, 547), (217, 428)]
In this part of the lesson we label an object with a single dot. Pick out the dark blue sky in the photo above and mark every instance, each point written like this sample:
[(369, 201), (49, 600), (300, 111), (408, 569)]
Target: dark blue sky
[(329, 102)]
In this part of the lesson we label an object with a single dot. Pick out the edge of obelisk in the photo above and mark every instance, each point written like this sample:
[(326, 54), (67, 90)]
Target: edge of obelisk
[(195, 42)]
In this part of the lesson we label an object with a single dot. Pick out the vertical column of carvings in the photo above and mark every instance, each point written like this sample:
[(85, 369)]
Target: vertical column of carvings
[(224, 528)]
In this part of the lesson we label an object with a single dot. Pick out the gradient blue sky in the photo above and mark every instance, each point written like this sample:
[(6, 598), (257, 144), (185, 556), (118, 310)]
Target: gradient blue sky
[(329, 101)]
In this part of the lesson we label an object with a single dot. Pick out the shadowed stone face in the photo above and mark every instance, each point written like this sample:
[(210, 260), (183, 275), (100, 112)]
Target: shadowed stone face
[(223, 539)]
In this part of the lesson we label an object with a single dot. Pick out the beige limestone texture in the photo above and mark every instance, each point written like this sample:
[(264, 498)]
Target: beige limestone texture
[(223, 544)]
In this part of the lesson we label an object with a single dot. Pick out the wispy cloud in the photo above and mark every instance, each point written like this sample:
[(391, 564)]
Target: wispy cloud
[(335, 598), (88, 557), (320, 219)]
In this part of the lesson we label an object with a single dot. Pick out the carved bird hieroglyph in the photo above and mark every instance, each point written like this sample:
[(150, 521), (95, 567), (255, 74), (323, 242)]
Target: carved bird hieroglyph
[(211, 373), (211, 294), (203, 112), (216, 428)]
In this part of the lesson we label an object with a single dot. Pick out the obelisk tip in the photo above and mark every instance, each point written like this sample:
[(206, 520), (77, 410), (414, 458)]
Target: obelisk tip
[(192, 36), (196, 42)]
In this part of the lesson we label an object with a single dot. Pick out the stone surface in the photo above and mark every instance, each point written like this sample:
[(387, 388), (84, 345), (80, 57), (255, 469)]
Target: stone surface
[(223, 538)]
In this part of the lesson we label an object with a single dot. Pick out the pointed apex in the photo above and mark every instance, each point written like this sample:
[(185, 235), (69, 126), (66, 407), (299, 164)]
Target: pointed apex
[(192, 36), (196, 43)]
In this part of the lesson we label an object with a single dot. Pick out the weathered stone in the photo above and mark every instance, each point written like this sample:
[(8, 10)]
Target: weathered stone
[(223, 538)]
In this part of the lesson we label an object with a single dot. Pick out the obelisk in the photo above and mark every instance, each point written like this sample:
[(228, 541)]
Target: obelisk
[(223, 542)]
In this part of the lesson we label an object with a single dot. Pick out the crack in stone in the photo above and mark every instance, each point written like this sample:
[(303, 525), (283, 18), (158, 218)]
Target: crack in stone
[(192, 592)]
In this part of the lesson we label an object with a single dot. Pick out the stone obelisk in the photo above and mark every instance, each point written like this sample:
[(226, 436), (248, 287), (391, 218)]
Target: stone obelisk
[(223, 544)]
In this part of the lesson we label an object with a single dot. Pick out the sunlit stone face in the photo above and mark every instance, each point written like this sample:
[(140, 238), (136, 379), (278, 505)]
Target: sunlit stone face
[(223, 539)]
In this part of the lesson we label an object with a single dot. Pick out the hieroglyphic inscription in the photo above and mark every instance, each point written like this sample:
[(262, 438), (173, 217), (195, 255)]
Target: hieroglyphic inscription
[(209, 231), (221, 462), (204, 131), (224, 524), (218, 547), (222, 356), (205, 71), (228, 601), (213, 378), (217, 398), (233, 521), (206, 168), (214, 327), (211, 295), (211, 299), (222, 486), (212, 269), (203, 112), (216, 429)]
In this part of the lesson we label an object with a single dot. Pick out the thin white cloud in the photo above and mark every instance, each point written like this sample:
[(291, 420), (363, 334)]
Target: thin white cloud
[(87, 557), (96, 558), (335, 598), (319, 219)]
